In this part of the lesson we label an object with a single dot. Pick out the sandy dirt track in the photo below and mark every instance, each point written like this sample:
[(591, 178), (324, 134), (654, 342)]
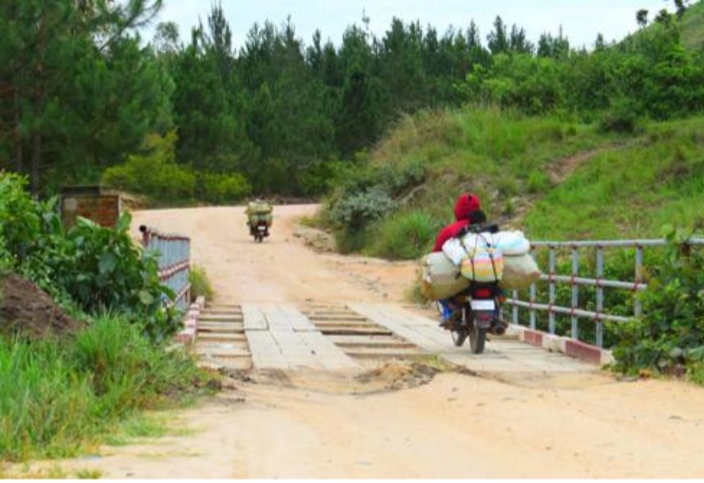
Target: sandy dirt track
[(341, 425)]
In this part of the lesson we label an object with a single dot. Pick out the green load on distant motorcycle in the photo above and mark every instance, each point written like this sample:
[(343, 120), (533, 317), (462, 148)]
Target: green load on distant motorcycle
[(259, 219)]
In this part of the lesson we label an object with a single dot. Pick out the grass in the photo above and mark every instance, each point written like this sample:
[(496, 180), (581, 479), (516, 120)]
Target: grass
[(404, 235), (623, 185), (200, 284), (691, 25), (632, 192), (59, 397)]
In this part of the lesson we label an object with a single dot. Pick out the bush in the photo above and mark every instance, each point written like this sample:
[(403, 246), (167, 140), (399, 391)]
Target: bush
[(405, 236), (222, 188), (102, 269), (669, 337), (20, 219), (200, 285), (358, 210), (154, 174)]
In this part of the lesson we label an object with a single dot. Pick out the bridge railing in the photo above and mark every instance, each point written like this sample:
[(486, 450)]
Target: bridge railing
[(600, 313), (174, 261)]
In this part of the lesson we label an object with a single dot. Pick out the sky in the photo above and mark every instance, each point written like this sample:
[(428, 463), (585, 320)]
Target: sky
[(581, 21)]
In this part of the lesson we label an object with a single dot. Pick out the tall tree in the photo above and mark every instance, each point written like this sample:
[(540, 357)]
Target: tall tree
[(49, 45)]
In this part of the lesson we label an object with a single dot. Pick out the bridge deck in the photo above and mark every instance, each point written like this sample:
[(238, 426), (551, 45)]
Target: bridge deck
[(281, 337), (500, 354)]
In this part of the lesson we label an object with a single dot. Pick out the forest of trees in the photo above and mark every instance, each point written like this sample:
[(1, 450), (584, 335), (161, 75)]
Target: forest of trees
[(83, 99)]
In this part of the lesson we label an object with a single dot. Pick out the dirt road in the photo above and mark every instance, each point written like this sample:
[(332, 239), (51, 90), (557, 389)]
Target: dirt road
[(396, 422)]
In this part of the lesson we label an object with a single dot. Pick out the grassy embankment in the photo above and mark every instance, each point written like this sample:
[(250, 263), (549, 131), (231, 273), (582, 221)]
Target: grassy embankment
[(60, 397), (552, 178)]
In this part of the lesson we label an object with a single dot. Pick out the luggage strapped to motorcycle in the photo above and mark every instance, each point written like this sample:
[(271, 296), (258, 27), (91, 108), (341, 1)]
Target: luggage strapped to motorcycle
[(476, 245)]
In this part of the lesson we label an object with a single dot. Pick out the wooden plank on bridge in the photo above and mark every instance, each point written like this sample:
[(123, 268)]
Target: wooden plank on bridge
[(501, 355), (254, 317), (289, 340)]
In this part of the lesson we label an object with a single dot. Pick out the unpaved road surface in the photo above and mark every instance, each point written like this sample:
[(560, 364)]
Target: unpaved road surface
[(397, 421)]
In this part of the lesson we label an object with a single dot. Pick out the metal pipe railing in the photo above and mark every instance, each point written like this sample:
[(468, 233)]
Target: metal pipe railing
[(599, 314), (174, 261)]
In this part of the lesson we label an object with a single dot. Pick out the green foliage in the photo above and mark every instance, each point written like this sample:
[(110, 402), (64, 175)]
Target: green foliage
[(638, 187), (669, 337), (157, 175), (93, 267), (357, 210), (222, 188), (405, 236), (60, 395), (20, 221), (102, 269), (79, 91), (200, 284)]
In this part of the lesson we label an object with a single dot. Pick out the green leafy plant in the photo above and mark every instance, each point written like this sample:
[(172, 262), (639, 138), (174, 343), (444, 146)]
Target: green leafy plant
[(669, 337), (21, 223), (200, 285), (222, 188)]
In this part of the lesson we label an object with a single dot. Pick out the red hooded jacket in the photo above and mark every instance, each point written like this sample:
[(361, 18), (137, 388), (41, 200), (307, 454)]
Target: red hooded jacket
[(466, 203)]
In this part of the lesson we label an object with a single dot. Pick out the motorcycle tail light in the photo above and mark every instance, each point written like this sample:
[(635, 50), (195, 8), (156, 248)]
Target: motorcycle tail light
[(482, 293)]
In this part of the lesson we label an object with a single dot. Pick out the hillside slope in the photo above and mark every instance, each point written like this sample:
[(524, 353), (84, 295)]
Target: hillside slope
[(552, 178), (692, 25)]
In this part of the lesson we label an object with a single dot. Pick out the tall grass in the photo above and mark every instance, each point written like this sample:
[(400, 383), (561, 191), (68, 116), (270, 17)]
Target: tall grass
[(405, 236), (56, 396), (200, 284)]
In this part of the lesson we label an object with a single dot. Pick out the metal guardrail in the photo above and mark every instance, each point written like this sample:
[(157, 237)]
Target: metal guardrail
[(600, 314), (174, 261)]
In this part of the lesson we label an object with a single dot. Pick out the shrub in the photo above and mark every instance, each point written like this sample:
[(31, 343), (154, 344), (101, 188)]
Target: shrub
[(200, 285), (669, 337), (154, 174), (102, 269), (355, 211), (20, 220), (405, 236), (222, 188)]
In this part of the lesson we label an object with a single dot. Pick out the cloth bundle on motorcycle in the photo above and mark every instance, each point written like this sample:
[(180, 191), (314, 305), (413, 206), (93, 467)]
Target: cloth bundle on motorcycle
[(478, 256), (512, 243), (520, 272), (441, 277), (259, 211)]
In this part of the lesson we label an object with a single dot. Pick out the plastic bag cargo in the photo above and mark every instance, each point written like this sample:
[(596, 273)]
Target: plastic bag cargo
[(510, 243), (441, 277), (483, 265), (258, 208), (255, 218), (519, 272)]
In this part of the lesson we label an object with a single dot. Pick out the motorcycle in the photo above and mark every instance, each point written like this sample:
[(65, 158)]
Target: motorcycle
[(259, 230), (479, 305), (478, 315)]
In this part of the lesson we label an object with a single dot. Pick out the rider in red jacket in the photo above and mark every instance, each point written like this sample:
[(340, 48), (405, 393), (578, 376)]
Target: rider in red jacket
[(466, 203)]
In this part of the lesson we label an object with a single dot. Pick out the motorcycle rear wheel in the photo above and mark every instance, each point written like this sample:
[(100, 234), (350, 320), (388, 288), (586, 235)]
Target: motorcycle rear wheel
[(477, 338)]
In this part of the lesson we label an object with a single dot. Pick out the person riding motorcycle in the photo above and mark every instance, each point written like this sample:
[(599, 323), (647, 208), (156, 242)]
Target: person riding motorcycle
[(259, 212), (467, 204)]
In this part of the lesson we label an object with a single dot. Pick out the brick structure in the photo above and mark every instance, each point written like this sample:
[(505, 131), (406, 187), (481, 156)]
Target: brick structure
[(90, 202)]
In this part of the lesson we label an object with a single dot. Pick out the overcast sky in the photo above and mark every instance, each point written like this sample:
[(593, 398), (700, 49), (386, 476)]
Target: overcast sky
[(581, 21)]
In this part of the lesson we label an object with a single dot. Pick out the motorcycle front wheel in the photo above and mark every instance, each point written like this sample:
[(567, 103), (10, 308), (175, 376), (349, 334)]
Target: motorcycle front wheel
[(459, 336)]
